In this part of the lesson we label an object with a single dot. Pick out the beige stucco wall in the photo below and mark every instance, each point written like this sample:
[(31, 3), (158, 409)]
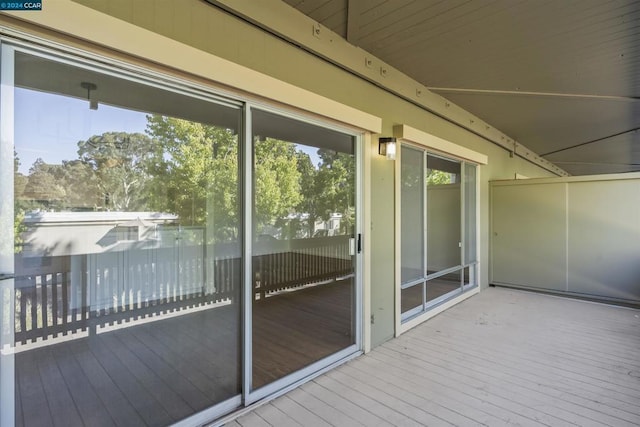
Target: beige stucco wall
[(200, 25)]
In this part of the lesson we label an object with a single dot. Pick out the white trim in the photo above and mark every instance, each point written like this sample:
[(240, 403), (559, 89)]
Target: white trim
[(437, 310), (83, 22), (397, 278), (246, 151), (567, 179), (358, 310), (7, 286), (438, 144), (366, 242), (429, 143), (6, 160)]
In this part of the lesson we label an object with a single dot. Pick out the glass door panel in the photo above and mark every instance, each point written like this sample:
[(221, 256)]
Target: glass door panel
[(470, 195), (303, 268), (412, 298), (412, 214), (443, 285), (438, 225), (127, 249), (444, 238)]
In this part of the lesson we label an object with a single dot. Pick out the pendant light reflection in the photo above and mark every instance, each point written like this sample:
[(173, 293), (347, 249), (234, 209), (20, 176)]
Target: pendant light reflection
[(93, 103)]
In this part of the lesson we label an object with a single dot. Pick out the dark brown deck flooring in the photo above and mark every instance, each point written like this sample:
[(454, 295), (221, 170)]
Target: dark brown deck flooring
[(315, 326), (157, 373)]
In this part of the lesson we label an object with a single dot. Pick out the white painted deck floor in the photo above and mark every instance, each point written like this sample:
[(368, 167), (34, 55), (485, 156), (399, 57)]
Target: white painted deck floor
[(503, 357)]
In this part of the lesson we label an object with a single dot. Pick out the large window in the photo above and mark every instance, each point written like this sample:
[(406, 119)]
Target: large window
[(438, 254), (127, 254), (166, 253)]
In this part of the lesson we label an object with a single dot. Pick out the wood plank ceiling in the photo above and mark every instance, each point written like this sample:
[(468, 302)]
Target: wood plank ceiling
[(561, 77)]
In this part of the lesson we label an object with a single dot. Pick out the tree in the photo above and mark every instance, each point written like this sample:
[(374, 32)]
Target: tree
[(438, 177), (335, 187), (308, 183), (19, 184), (81, 185), (196, 173), (196, 176), (119, 161), (19, 180), (276, 182), (42, 188)]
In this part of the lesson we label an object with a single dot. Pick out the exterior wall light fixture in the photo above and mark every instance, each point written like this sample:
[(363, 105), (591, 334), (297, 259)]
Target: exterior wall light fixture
[(387, 147)]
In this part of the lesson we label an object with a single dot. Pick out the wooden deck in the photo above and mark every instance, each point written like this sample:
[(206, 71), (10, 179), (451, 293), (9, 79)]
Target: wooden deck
[(501, 358), (159, 372)]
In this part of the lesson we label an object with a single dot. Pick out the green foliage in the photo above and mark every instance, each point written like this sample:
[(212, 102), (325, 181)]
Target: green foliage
[(195, 173), (336, 187), (18, 229), (19, 184), (42, 185), (276, 182), (438, 177), (192, 170), (119, 161), (309, 202)]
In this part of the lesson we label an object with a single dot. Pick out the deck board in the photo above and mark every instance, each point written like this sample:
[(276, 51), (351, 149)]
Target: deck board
[(58, 396), (502, 357), (155, 373), (150, 409), (275, 416), (87, 402), (298, 413)]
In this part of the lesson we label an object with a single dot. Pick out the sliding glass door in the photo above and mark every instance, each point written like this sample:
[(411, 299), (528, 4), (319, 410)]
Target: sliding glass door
[(126, 248), (167, 254), (303, 296), (437, 229)]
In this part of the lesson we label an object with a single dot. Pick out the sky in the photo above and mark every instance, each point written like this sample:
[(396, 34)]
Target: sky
[(49, 126)]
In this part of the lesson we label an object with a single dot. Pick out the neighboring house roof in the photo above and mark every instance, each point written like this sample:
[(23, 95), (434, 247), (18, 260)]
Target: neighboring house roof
[(121, 218)]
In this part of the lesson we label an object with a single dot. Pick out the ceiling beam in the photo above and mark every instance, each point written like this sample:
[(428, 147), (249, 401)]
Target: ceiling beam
[(283, 21), (582, 144), (529, 93)]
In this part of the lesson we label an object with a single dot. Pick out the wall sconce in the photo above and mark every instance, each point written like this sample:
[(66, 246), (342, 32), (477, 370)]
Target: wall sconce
[(93, 103), (387, 147)]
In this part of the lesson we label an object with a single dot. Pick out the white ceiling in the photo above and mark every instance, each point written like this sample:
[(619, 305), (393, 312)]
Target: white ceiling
[(560, 77)]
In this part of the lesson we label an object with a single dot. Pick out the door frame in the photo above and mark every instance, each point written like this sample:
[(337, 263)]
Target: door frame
[(434, 145), (292, 380)]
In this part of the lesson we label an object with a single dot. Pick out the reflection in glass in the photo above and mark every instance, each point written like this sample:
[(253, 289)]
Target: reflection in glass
[(412, 212), (443, 214), (440, 218), (470, 251), (443, 285), (412, 297), (303, 219), (127, 252)]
